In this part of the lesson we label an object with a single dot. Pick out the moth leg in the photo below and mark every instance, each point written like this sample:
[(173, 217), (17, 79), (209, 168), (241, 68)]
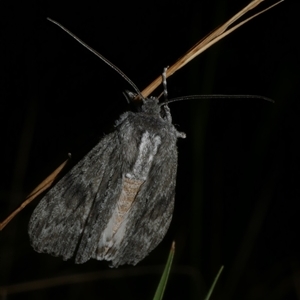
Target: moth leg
[(181, 135), (164, 81), (168, 117), (167, 113)]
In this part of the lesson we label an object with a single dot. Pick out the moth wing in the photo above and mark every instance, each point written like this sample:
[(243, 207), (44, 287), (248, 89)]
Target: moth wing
[(58, 221), (151, 212)]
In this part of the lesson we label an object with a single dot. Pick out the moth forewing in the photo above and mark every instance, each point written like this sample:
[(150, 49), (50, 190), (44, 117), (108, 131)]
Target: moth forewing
[(116, 204)]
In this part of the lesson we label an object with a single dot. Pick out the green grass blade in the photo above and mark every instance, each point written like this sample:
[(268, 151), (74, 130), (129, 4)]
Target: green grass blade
[(164, 278), (214, 283)]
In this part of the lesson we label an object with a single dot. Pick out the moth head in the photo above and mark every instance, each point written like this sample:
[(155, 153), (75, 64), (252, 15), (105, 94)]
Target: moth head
[(149, 105)]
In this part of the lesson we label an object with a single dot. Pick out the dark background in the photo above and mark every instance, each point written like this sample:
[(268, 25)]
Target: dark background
[(237, 186)]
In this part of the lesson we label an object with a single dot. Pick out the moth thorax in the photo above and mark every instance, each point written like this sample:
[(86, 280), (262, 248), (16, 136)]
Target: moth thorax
[(150, 106)]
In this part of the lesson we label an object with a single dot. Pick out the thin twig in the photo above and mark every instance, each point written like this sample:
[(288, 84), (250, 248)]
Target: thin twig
[(207, 42), (37, 191)]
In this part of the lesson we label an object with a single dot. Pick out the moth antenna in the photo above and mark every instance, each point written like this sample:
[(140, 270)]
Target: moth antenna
[(100, 56), (164, 81), (218, 97)]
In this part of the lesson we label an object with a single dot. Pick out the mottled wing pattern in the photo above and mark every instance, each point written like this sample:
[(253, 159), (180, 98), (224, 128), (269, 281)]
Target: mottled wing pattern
[(57, 223), (152, 212), (86, 213)]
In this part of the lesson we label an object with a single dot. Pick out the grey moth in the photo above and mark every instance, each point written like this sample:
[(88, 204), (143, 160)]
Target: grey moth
[(116, 204)]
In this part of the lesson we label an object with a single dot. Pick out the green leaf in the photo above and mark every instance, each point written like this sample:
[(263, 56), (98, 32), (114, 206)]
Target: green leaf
[(214, 283), (164, 278)]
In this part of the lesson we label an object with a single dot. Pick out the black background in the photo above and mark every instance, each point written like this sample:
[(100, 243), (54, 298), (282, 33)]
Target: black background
[(237, 185)]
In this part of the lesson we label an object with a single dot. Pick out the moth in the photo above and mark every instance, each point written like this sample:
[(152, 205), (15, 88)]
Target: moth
[(116, 204)]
